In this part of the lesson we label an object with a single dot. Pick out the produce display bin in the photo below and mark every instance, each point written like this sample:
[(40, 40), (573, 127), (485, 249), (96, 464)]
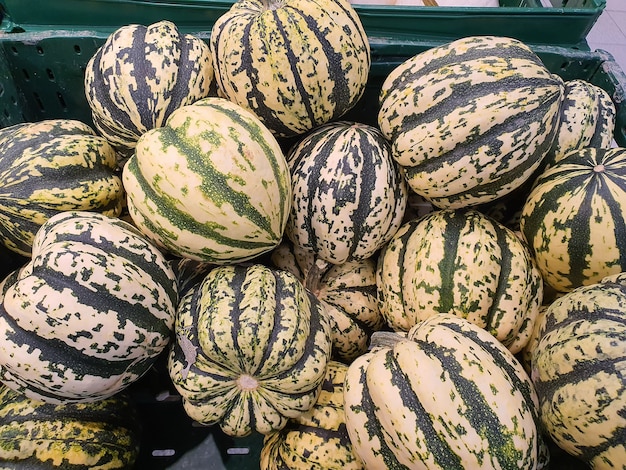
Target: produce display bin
[(41, 77), (566, 22)]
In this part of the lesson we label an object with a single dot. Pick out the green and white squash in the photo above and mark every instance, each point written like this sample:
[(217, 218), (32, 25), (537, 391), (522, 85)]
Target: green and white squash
[(578, 372), (89, 314), (296, 64), (349, 196), (587, 120), (573, 219), (448, 396), (317, 439), (347, 291), (212, 184), (470, 120), (140, 75), (49, 167), (460, 261), (103, 435), (251, 349)]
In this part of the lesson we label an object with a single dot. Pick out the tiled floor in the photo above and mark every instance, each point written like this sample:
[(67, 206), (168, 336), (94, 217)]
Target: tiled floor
[(609, 31)]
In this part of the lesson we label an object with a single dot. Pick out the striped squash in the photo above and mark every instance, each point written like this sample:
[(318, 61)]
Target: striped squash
[(349, 196), (89, 314), (296, 64), (449, 396), (470, 120), (587, 120), (140, 75), (347, 291), (317, 439), (573, 219), (463, 262), (251, 349), (212, 184), (49, 167), (102, 435), (578, 372)]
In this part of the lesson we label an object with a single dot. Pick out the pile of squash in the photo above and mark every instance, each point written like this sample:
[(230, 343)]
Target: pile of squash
[(441, 290)]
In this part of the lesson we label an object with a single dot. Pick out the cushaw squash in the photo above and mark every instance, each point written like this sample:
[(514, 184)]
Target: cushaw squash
[(577, 366), (53, 166), (102, 435), (89, 314), (140, 75), (296, 64), (251, 349), (446, 396)]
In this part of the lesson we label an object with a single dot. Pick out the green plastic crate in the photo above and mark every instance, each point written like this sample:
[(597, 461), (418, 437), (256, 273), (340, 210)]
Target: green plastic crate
[(567, 23), (41, 77)]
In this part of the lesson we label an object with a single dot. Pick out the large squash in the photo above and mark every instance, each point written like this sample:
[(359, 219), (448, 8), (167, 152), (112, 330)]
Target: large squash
[(49, 167), (296, 64), (140, 75), (211, 185), (102, 435), (89, 314), (470, 120), (251, 349)]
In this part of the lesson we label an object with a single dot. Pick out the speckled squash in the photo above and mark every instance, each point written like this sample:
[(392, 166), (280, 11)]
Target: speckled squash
[(296, 64), (89, 314), (53, 166), (349, 196), (347, 291), (578, 372), (470, 120), (140, 75), (573, 219), (251, 349), (103, 435), (212, 184), (317, 439), (448, 396), (463, 262)]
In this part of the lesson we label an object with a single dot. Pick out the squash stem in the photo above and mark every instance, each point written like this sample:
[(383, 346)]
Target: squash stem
[(313, 279)]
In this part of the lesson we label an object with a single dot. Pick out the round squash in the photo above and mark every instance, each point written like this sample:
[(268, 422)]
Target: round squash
[(296, 64), (251, 349), (347, 291), (470, 120), (212, 184), (349, 196), (448, 396), (89, 314), (573, 219), (36, 435), (140, 75), (49, 167), (578, 371), (463, 262), (317, 439)]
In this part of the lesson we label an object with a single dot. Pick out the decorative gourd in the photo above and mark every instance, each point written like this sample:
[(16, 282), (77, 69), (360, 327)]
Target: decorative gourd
[(89, 314), (296, 64), (463, 262), (573, 219), (578, 372), (212, 184), (140, 75), (74, 436), (587, 120), (49, 167), (349, 196), (317, 439), (470, 120), (189, 273), (447, 396), (347, 291), (251, 349)]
